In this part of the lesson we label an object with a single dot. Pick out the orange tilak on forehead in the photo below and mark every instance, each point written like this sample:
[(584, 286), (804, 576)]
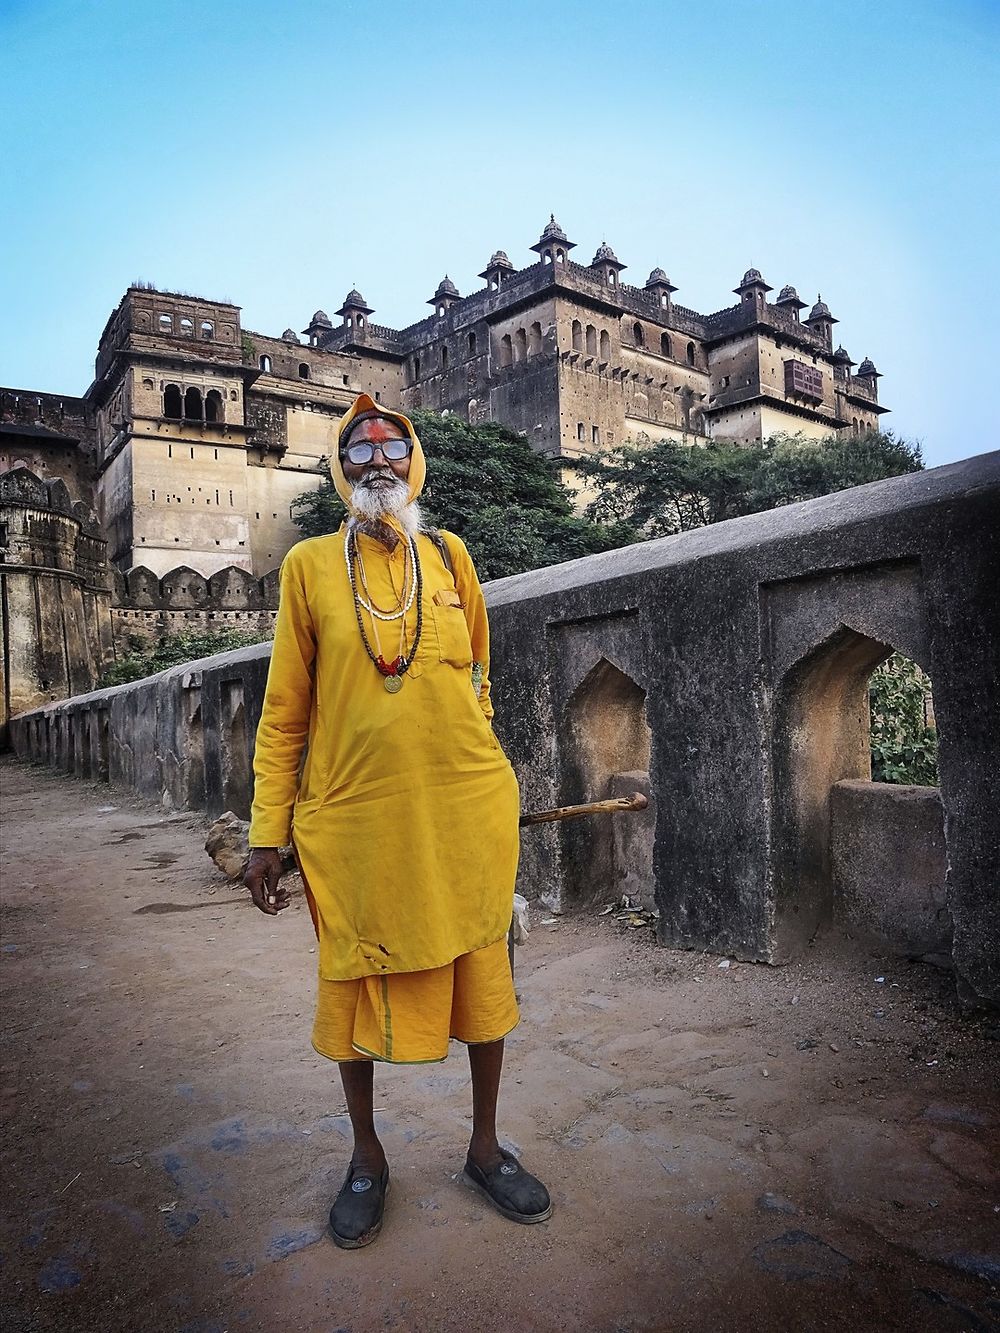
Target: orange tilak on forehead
[(381, 430)]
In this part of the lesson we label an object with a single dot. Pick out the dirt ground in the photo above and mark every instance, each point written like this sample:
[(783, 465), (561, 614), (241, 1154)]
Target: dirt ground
[(807, 1147)]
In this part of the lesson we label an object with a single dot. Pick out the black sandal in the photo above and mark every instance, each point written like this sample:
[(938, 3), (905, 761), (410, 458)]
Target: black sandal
[(512, 1191), (356, 1215)]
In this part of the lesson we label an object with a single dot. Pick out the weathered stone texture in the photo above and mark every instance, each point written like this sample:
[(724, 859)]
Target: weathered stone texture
[(887, 848)]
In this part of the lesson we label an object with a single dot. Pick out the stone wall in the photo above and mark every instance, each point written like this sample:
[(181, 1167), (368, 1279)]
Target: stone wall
[(731, 665), (887, 847)]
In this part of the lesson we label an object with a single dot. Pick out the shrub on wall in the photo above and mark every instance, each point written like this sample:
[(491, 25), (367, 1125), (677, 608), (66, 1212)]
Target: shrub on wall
[(141, 659), (904, 744)]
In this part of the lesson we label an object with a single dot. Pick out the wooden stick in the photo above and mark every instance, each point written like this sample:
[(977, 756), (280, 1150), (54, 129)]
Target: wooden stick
[(618, 805)]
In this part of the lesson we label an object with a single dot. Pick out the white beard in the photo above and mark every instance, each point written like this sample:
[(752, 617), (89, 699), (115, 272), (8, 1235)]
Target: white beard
[(371, 504)]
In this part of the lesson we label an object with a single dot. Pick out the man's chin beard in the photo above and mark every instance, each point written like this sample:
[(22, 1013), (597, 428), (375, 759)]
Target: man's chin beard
[(372, 505)]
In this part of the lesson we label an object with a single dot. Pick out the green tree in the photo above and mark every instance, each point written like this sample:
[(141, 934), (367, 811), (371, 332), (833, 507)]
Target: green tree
[(487, 485), (666, 486), (145, 659)]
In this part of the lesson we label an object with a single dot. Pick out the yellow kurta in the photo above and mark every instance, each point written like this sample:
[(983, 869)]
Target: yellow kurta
[(405, 820)]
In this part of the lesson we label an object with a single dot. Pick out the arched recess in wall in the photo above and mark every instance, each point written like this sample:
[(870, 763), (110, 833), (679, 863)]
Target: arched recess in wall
[(506, 350), (605, 345), (193, 404), (577, 336), (471, 345), (638, 337), (172, 402), (520, 345), (604, 734), (535, 339), (666, 346), (591, 340), (690, 354), (214, 408), (822, 737)]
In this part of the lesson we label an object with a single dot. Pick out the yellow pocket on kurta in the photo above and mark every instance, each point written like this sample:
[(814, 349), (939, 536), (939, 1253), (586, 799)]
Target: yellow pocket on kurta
[(454, 644)]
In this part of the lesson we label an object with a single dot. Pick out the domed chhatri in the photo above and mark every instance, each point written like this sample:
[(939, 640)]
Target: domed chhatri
[(867, 370), (321, 318), (842, 356), (553, 242), (605, 255), (289, 336), (820, 310), (354, 305), (658, 280), (751, 279), (790, 297), (445, 295), (553, 231), (447, 288)]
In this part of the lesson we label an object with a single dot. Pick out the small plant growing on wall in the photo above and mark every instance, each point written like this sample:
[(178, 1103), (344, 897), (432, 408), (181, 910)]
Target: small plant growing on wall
[(143, 659)]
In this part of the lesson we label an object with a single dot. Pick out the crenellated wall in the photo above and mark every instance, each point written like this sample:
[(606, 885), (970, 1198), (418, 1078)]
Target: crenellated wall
[(728, 666), (147, 608)]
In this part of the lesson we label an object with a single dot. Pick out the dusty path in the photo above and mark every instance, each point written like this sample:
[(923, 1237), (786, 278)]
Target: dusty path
[(172, 1145)]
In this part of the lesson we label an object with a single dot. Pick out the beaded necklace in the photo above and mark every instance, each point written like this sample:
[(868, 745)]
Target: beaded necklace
[(394, 671), (402, 603)]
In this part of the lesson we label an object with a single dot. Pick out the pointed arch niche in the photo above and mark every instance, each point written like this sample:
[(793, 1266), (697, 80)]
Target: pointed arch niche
[(604, 735), (835, 827)]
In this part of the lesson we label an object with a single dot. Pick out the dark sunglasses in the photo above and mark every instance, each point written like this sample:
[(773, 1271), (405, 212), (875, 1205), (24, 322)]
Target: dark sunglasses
[(392, 450)]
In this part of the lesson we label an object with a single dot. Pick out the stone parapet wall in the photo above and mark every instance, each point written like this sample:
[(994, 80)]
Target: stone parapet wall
[(730, 664)]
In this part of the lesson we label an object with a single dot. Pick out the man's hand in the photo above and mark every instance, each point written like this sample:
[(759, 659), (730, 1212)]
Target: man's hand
[(262, 875)]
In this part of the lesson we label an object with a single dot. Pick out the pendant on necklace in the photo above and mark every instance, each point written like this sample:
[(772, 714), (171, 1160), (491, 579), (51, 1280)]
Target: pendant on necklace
[(393, 684)]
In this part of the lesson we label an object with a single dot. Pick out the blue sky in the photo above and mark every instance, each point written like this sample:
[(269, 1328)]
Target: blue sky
[(277, 154)]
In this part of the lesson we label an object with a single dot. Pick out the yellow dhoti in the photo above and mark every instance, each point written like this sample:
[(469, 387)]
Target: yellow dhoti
[(408, 1017)]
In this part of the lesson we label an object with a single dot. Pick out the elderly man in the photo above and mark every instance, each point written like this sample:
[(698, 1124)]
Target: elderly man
[(404, 815)]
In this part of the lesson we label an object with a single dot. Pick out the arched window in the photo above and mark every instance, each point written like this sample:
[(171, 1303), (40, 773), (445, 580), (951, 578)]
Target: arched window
[(666, 346), (637, 334), (166, 323), (577, 336), (854, 425), (591, 340), (690, 354), (207, 330), (520, 345), (416, 367), (560, 256), (172, 402), (612, 277), (547, 257), (264, 363), (664, 301), (605, 345), (471, 348), (535, 339), (303, 371), (214, 410), (581, 434), (506, 350), (444, 357), (187, 327), (192, 405)]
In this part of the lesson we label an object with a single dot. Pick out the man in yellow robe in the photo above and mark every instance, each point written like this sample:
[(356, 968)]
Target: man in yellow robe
[(404, 818)]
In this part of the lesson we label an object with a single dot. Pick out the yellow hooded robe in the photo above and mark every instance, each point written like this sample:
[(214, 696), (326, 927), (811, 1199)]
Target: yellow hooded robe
[(405, 818)]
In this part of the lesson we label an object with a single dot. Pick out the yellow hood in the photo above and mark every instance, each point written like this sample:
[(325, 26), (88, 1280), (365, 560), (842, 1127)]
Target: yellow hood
[(418, 465)]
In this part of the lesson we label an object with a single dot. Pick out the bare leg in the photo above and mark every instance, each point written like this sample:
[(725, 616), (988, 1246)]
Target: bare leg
[(358, 1077), (486, 1062)]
